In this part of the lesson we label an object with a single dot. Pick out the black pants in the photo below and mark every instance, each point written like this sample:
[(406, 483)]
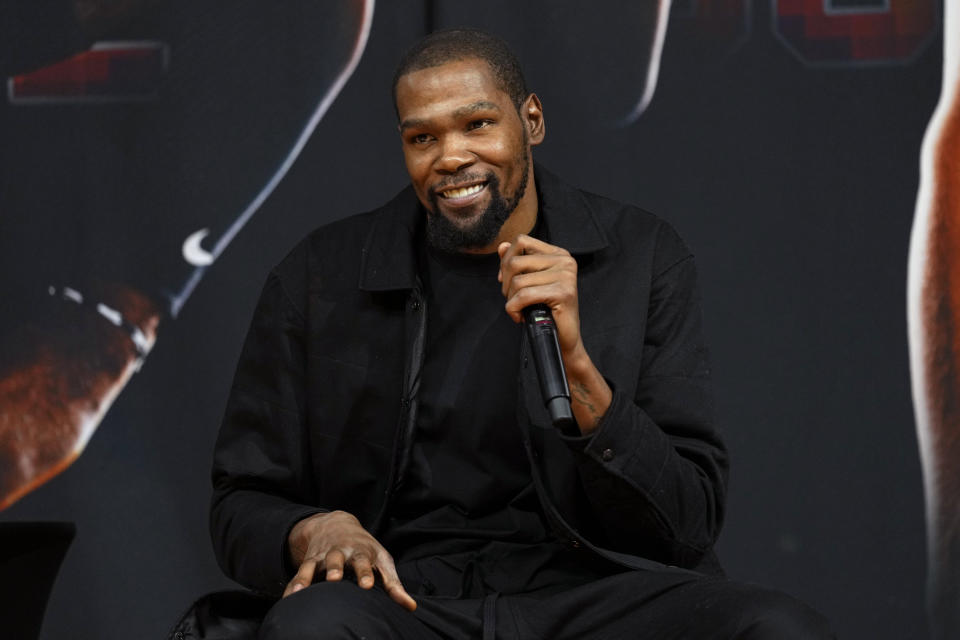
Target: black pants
[(632, 604)]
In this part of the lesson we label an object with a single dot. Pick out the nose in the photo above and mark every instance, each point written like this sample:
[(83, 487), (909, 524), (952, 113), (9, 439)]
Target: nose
[(454, 155)]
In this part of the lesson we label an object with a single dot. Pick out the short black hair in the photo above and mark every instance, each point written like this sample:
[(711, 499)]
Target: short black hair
[(450, 45)]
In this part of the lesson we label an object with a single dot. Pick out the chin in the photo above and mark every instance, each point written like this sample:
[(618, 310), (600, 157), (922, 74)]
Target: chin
[(463, 219)]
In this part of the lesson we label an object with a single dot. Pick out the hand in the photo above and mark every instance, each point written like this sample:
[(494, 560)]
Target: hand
[(328, 541), (534, 272)]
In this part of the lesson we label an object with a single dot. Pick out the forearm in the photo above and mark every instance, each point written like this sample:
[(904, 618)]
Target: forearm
[(249, 530), (657, 487), (261, 480), (590, 395), (655, 467)]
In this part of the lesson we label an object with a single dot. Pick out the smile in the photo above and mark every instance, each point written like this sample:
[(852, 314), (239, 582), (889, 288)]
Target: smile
[(462, 192)]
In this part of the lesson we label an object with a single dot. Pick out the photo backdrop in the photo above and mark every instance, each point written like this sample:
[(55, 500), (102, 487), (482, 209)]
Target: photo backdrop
[(159, 157)]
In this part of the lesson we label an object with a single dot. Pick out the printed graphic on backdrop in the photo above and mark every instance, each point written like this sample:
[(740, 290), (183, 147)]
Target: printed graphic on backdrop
[(134, 152), (934, 331), (819, 32), (135, 163), (855, 32), (718, 27), (618, 73)]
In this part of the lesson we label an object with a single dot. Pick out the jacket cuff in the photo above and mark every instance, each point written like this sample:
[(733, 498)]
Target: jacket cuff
[(579, 443), (627, 443), (271, 565)]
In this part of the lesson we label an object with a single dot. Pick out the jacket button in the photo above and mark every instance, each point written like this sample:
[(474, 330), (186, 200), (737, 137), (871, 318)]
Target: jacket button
[(575, 544), (415, 305), (607, 455)]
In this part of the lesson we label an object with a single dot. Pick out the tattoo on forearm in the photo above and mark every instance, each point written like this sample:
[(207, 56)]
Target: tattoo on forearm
[(582, 395)]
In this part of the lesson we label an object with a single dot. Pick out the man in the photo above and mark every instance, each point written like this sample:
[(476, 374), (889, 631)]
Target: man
[(386, 426)]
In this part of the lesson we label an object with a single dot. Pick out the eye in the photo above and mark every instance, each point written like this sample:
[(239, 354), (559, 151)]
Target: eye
[(420, 138), (479, 124)]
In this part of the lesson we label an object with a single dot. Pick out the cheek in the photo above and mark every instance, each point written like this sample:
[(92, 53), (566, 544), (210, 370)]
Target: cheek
[(511, 158), (502, 150), (417, 166), (417, 172)]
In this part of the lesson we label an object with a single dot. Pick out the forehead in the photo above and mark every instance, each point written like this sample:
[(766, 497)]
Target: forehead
[(436, 91)]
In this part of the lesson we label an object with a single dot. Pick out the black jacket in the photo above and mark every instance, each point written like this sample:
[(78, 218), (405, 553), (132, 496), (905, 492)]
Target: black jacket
[(321, 412)]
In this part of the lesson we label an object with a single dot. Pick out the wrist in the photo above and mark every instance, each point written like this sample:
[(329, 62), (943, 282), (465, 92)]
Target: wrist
[(578, 365), (590, 395)]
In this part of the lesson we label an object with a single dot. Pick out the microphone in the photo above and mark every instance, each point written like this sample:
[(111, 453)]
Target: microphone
[(546, 355)]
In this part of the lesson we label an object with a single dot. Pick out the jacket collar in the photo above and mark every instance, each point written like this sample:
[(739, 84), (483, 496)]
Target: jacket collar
[(389, 258)]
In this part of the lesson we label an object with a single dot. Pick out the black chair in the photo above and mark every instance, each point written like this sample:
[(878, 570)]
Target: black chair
[(222, 615), (30, 558)]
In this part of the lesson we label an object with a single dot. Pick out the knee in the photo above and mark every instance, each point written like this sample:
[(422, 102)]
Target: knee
[(324, 610), (780, 617)]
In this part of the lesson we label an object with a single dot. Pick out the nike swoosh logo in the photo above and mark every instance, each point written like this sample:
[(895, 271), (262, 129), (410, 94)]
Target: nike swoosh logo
[(193, 252)]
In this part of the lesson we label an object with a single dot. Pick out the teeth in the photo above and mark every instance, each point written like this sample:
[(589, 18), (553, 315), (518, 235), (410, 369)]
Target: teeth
[(462, 193)]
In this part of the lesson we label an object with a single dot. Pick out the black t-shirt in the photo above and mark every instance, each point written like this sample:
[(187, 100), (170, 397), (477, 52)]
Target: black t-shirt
[(469, 480), (466, 520)]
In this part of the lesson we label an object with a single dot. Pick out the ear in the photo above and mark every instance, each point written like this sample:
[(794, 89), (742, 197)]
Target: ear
[(531, 112)]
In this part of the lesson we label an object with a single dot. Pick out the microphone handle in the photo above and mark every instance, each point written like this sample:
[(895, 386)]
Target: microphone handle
[(546, 356)]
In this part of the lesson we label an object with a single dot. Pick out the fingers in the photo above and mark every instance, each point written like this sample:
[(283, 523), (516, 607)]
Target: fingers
[(526, 245), (534, 272), (303, 578), (362, 566), (333, 563), (554, 294), (526, 255), (338, 542), (555, 263), (362, 569), (559, 282), (391, 582)]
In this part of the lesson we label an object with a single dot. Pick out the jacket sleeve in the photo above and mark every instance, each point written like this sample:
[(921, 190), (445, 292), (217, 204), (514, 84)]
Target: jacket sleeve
[(261, 479), (655, 469)]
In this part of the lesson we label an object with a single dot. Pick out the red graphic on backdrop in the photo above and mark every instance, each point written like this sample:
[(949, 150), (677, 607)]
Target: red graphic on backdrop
[(863, 32), (114, 71), (723, 24)]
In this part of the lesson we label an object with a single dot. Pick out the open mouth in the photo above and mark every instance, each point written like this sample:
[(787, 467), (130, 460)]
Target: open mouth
[(458, 193)]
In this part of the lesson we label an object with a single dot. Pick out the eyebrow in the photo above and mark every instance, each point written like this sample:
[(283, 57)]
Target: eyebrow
[(459, 112), (473, 108)]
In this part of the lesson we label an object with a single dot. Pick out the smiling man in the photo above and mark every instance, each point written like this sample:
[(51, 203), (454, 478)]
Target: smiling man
[(386, 463), (466, 143)]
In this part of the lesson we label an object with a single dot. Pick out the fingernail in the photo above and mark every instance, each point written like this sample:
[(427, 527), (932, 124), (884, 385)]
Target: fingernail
[(297, 587)]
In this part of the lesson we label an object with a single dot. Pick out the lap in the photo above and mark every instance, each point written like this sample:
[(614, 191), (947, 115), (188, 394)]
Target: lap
[(663, 605), (632, 604), (341, 610)]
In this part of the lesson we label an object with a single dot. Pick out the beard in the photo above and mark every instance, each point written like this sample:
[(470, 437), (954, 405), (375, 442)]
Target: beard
[(449, 237)]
